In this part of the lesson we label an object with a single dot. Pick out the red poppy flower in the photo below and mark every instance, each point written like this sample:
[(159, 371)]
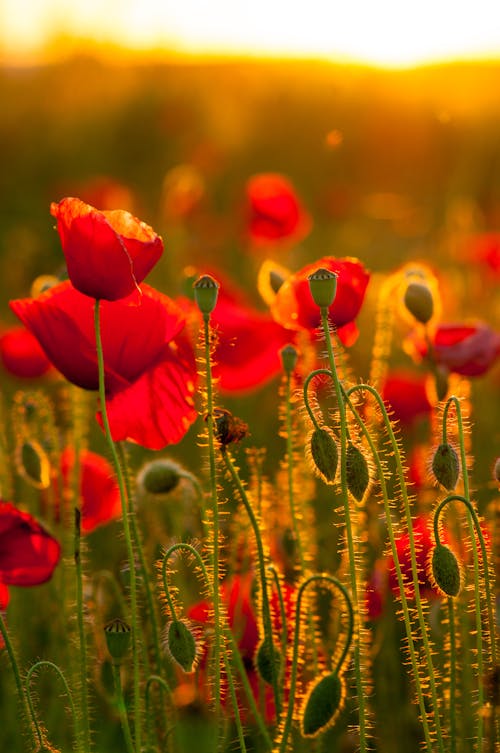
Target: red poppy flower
[(293, 306), (274, 210), (107, 253), (466, 349), (100, 495), (424, 544), (485, 249), (149, 362), (405, 394), (21, 354), (28, 553)]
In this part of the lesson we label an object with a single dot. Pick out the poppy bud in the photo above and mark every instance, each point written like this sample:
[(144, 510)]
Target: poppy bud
[(160, 476), (118, 635), (289, 358), (323, 451), (445, 570), (419, 302), (263, 661), (441, 382), (323, 287), (445, 466), (181, 645), (33, 464), (357, 473), (206, 290), (322, 705)]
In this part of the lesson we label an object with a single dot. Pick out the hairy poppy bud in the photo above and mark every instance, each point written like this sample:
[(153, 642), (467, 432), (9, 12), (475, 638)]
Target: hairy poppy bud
[(181, 645), (445, 466), (322, 705), (264, 661), (323, 287), (323, 453), (118, 635), (357, 473), (160, 476), (289, 358), (33, 464), (419, 302), (206, 290), (445, 570)]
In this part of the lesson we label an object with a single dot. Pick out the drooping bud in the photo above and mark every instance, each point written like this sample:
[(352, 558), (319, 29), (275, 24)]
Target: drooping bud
[(323, 704), (446, 466), (33, 463), (206, 290), (228, 429), (264, 661), (118, 636), (419, 302), (357, 472), (323, 287), (445, 570), (160, 476), (181, 645), (323, 453), (289, 358)]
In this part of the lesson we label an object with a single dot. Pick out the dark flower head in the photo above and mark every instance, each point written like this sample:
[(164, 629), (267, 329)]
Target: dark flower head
[(149, 362), (107, 253)]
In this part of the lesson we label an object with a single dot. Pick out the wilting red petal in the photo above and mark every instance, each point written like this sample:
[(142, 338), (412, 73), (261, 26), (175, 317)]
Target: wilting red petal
[(405, 394), (107, 253), (274, 210), (100, 495), (28, 553), (149, 364), (294, 308), (21, 354)]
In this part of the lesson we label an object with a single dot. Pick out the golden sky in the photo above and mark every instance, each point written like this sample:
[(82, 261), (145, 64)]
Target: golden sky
[(384, 32)]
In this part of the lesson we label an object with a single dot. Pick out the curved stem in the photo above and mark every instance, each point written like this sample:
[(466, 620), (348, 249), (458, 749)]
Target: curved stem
[(295, 651), (50, 665), (126, 526), (122, 710), (266, 609), (307, 383)]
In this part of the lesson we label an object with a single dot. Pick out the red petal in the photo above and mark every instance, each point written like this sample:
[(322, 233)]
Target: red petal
[(100, 495), (28, 553), (22, 355), (275, 212)]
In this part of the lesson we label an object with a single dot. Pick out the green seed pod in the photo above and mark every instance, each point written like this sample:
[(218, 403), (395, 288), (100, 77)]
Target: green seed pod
[(418, 300), (289, 358), (323, 287), (263, 661), (322, 705), (33, 463), (445, 466), (182, 645), (445, 570), (160, 476), (118, 636), (323, 453), (206, 290), (357, 472)]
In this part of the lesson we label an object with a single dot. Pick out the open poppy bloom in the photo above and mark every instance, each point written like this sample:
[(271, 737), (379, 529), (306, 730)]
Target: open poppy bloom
[(405, 393), (274, 210), (293, 306), (149, 363), (99, 492), (107, 253), (466, 349), (21, 354)]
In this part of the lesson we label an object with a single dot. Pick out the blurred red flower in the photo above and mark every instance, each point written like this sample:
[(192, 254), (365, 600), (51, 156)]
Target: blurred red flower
[(99, 492), (274, 210), (466, 349), (293, 306), (28, 553), (21, 354), (404, 393), (107, 253), (149, 362), (484, 249)]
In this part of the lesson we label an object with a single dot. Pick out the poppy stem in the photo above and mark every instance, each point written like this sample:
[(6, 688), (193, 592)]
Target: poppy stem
[(122, 710), (50, 665), (126, 526)]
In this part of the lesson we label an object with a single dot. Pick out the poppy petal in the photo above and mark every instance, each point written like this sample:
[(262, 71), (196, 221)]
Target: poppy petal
[(28, 553)]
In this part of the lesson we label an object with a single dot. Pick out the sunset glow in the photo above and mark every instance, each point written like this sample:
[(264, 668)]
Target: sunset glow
[(387, 32)]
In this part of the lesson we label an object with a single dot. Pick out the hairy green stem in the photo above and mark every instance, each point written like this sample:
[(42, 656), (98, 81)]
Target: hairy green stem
[(30, 718), (78, 733), (122, 710)]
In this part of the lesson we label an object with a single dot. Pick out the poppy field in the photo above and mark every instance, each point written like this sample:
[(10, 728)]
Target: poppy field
[(249, 443)]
